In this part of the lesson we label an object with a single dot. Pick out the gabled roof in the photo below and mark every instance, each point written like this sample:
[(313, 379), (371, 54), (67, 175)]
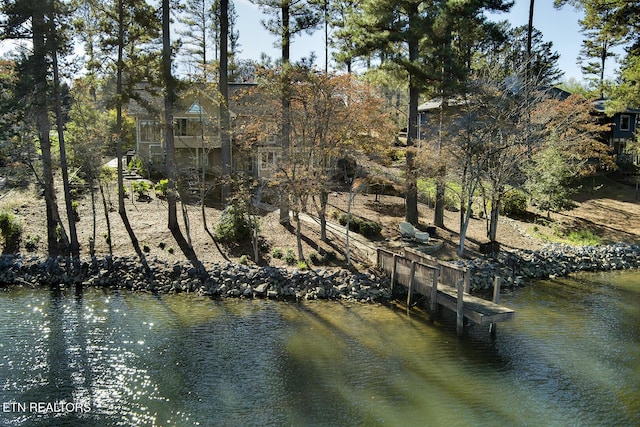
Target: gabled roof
[(600, 105), (558, 93), (149, 100), (436, 103)]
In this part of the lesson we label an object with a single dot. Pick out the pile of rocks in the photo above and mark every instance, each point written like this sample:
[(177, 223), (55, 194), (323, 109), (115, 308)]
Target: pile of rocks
[(551, 261), (234, 280), (219, 280)]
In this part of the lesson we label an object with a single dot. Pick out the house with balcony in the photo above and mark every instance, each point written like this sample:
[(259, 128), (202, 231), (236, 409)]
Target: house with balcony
[(197, 132)]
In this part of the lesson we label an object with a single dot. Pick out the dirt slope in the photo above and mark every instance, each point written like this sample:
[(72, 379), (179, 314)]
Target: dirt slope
[(606, 208)]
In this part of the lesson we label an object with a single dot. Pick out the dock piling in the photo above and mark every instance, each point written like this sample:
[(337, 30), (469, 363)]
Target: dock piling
[(460, 309), (497, 281)]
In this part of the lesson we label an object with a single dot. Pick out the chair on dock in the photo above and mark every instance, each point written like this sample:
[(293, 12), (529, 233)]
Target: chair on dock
[(407, 230)]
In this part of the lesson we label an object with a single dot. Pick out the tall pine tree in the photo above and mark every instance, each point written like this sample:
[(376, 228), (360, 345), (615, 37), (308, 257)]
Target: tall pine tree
[(29, 20), (288, 18), (424, 32)]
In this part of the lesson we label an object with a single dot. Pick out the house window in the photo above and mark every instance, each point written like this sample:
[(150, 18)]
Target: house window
[(625, 122), (267, 159), (187, 127), (149, 131)]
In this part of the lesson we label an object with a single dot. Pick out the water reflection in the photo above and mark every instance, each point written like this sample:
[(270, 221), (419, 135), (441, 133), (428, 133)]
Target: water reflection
[(571, 357)]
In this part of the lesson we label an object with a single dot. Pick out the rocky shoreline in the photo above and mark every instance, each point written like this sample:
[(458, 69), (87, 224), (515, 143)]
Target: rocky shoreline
[(554, 260), (220, 280), (234, 280)]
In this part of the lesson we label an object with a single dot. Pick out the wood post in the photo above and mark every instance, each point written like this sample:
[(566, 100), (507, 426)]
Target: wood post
[(434, 294), (411, 276), (497, 281), (460, 309), (467, 280), (393, 272)]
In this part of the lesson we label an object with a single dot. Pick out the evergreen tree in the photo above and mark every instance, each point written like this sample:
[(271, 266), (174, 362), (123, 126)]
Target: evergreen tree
[(130, 55), (169, 104), (341, 15), (601, 38), (418, 37), (202, 33), (540, 65), (30, 20), (288, 18), (625, 17)]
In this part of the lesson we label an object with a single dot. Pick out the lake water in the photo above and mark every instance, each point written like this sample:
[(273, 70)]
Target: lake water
[(104, 358)]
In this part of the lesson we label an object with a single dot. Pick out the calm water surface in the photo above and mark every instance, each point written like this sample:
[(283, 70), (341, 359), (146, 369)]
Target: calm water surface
[(104, 358)]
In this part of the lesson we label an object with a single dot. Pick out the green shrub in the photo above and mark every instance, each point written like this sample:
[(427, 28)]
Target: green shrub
[(277, 253), (161, 188), (314, 258), (31, 243), (137, 164), (145, 248), (329, 256), (141, 188), (74, 210), (370, 228), (233, 225), (359, 225), (302, 265), (58, 233), (243, 260), (11, 230), (170, 250), (514, 202), (290, 257)]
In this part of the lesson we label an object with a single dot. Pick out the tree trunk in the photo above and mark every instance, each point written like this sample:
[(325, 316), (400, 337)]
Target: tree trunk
[(286, 108), (44, 127), (530, 36), (213, 237), (352, 195), (169, 102), (255, 236), (466, 201), (74, 248), (106, 217), (411, 184), (223, 87), (296, 217), (94, 214), (438, 213), (119, 91), (494, 215), (187, 223), (324, 201)]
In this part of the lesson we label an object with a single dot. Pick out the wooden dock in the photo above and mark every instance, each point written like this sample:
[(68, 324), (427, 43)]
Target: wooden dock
[(445, 285)]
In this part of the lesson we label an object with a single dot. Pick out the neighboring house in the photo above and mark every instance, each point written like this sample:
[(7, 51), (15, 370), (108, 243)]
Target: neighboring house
[(623, 129), (429, 116), (429, 112), (623, 124), (197, 133)]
